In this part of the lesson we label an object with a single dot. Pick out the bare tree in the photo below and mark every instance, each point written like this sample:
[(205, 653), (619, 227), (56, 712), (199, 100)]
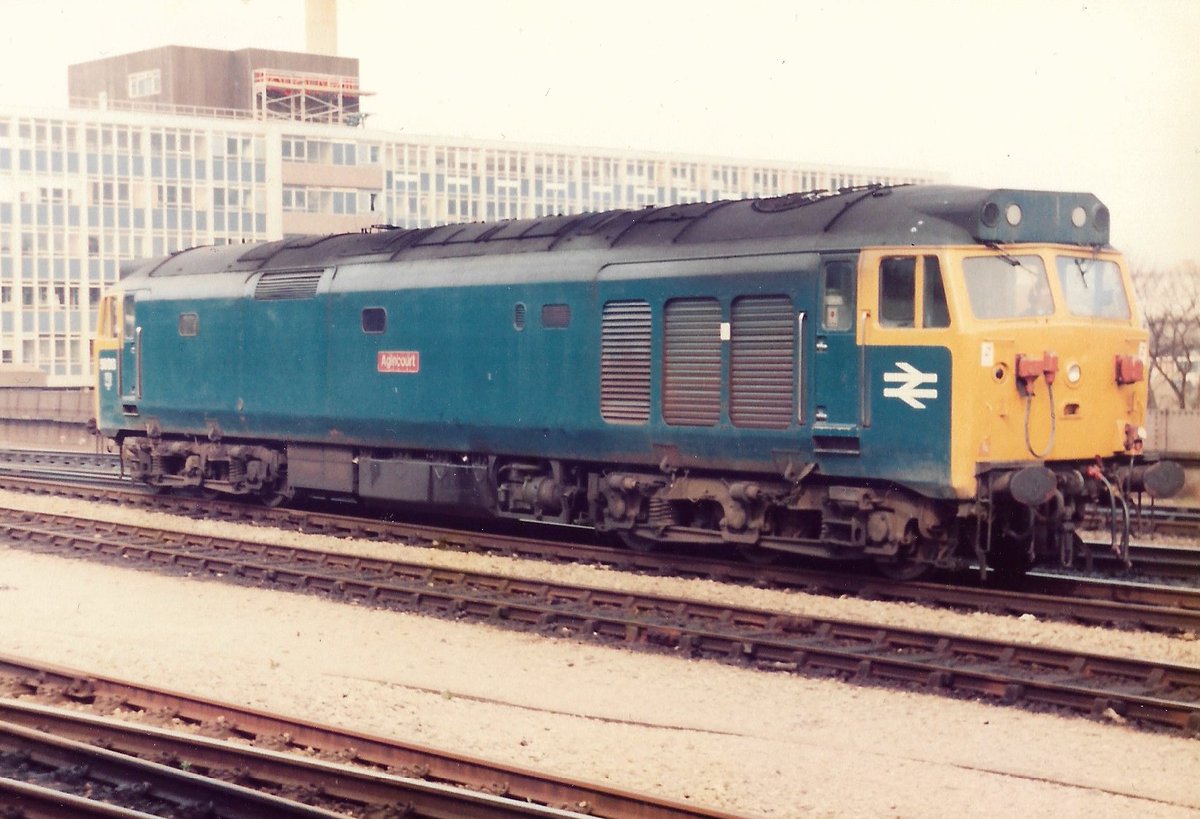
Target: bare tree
[(1171, 304)]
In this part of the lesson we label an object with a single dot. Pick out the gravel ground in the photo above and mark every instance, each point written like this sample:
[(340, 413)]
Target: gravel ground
[(745, 741)]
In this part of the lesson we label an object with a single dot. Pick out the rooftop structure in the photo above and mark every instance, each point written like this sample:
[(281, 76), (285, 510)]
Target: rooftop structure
[(249, 83)]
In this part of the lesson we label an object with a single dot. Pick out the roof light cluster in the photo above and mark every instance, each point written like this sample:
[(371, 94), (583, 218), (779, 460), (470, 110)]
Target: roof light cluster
[(1031, 216)]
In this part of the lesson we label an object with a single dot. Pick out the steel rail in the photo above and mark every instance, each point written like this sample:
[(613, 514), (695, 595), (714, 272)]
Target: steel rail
[(341, 786), (131, 779), (1154, 692), (1095, 602), (1099, 601), (37, 802), (1150, 559), (1161, 560), (22, 677)]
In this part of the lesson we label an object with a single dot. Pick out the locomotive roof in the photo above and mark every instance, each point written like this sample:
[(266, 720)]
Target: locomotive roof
[(870, 216)]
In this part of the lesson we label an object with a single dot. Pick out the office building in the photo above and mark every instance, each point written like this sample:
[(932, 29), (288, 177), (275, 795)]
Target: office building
[(175, 147)]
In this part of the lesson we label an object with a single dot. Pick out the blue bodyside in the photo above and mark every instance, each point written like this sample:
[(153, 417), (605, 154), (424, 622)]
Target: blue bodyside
[(305, 370), (909, 434)]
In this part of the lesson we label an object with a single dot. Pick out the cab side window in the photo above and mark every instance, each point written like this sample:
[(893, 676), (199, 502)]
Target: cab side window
[(934, 311), (908, 290), (897, 291), (130, 314), (837, 298)]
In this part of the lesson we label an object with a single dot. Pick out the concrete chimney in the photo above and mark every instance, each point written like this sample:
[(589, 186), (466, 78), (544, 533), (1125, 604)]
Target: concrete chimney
[(320, 26)]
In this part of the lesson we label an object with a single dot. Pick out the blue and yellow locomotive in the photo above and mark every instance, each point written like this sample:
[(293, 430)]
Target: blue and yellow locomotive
[(917, 375)]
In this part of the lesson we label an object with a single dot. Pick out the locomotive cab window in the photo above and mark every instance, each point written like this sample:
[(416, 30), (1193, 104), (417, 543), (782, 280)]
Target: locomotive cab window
[(910, 287), (897, 291), (129, 312), (108, 317), (934, 311), (189, 324), (837, 296), (1092, 287), (374, 320), (1001, 287)]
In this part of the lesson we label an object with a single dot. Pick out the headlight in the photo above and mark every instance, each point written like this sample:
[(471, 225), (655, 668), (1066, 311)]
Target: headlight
[(1013, 214), (1074, 373)]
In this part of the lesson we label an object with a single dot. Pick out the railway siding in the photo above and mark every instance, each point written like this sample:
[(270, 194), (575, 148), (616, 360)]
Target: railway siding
[(1160, 694)]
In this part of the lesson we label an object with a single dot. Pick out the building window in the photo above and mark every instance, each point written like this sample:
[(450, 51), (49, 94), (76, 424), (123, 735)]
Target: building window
[(145, 83), (295, 149), (295, 199)]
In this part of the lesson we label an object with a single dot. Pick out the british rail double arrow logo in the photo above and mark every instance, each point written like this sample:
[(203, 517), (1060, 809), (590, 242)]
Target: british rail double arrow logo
[(910, 390)]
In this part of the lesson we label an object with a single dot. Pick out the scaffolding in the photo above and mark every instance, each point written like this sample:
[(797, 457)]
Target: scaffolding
[(307, 97)]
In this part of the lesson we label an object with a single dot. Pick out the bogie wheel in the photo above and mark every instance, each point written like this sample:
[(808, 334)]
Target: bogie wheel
[(757, 555), (912, 561), (904, 569), (637, 543), (271, 498), (1010, 563)]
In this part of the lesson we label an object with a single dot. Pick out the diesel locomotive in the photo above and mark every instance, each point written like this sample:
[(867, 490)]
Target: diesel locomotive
[(919, 376)]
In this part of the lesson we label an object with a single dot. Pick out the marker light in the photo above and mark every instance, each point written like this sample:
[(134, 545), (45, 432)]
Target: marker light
[(1079, 217), (1013, 214), (1074, 373)]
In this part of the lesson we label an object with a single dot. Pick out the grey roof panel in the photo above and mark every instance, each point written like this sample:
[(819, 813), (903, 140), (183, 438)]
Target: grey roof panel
[(873, 216)]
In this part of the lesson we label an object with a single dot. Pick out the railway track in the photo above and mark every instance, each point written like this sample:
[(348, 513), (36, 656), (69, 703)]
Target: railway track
[(43, 774), (282, 760), (1094, 600), (75, 474), (1183, 521), (64, 753), (1149, 693)]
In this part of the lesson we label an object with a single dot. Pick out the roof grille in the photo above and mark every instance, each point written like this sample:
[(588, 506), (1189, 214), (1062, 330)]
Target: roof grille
[(291, 284)]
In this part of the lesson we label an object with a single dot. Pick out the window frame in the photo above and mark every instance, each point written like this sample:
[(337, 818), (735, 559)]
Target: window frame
[(373, 311)]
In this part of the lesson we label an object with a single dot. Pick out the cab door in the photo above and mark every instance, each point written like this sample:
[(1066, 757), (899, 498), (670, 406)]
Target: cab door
[(906, 336), (129, 372), (837, 360)]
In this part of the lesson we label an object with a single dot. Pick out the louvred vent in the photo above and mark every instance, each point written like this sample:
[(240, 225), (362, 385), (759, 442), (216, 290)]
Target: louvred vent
[(762, 362), (692, 362), (625, 362), (291, 284)]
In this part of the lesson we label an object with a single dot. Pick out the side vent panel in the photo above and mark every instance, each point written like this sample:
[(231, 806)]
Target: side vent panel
[(762, 362), (625, 362), (288, 284), (692, 362)]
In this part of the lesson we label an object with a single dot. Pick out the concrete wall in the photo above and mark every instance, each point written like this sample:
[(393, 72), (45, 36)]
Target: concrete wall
[(46, 418)]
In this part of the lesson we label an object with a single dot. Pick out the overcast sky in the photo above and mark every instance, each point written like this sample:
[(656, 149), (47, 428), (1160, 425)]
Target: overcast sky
[(1095, 95)]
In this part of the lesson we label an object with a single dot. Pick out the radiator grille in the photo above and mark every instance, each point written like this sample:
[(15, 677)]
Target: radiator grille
[(762, 365), (692, 362), (625, 362), (291, 284)]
